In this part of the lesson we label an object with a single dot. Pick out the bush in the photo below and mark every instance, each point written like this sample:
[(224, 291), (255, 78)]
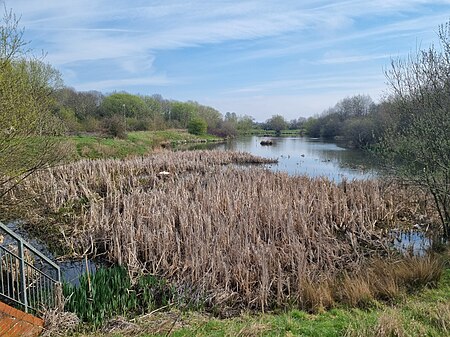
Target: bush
[(197, 126), (116, 127)]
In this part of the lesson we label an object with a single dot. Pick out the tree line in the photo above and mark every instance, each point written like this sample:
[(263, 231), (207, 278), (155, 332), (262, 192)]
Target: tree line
[(119, 112)]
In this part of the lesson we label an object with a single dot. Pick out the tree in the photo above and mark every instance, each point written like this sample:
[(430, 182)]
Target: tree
[(277, 123), (418, 141), (27, 125), (181, 113), (123, 104), (245, 124), (312, 127), (197, 126), (355, 106)]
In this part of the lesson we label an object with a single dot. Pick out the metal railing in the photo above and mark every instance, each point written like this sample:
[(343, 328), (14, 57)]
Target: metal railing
[(29, 280)]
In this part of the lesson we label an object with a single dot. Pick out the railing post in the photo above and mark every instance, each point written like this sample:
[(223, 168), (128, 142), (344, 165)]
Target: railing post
[(23, 285)]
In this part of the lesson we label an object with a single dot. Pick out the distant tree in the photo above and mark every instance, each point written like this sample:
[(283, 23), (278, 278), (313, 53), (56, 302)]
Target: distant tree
[(181, 113), (244, 124), (77, 109), (296, 124), (124, 104), (331, 126), (211, 116), (312, 127), (277, 123), (197, 126), (418, 141), (361, 132), (355, 106)]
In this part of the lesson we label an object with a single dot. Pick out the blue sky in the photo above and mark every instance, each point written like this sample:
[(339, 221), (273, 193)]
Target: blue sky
[(256, 57)]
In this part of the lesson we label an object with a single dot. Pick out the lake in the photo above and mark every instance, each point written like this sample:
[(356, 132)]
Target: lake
[(305, 156)]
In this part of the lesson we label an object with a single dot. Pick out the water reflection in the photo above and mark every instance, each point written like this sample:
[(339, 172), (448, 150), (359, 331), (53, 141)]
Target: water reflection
[(301, 155), (71, 271)]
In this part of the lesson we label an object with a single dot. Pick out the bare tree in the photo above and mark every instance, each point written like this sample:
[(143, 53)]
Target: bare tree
[(418, 141)]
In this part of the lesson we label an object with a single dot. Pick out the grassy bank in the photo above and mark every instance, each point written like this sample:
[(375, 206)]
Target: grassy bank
[(137, 143), (425, 313)]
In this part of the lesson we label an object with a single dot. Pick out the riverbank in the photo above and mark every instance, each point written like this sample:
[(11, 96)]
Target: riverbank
[(419, 314), (137, 143)]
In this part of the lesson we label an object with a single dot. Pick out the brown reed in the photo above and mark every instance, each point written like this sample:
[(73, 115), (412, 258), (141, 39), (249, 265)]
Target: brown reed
[(254, 235)]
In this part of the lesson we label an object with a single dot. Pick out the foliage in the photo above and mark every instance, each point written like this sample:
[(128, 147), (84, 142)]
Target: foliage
[(181, 113), (422, 314), (123, 104), (82, 104), (197, 126), (353, 119), (109, 292), (27, 126), (417, 143), (277, 123), (312, 127), (116, 126), (361, 132)]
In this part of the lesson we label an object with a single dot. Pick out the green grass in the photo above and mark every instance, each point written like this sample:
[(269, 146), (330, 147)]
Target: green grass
[(426, 313), (137, 143)]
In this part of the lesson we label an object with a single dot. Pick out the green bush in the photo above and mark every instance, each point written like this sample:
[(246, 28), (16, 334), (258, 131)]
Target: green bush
[(197, 126)]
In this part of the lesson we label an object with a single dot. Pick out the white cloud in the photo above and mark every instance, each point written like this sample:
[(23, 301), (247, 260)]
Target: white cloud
[(112, 84)]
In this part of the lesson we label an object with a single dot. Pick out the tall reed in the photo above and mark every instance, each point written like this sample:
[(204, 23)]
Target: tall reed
[(241, 235)]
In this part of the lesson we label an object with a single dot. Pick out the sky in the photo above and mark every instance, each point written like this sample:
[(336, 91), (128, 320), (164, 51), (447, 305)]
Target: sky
[(252, 57)]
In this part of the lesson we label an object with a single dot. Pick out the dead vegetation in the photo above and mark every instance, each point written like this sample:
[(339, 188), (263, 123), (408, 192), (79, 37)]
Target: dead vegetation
[(241, 238)]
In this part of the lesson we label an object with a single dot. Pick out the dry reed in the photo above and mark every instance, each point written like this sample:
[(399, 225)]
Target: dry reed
[(249, 235)]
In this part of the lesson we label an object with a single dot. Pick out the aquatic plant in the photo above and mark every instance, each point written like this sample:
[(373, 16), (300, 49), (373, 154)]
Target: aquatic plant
[(237, 237), (109, 292)]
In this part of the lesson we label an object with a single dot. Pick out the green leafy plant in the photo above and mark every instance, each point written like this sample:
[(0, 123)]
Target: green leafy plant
[(109, 292)]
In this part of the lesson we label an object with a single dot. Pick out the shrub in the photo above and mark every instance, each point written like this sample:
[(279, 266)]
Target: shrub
[(197, 126)]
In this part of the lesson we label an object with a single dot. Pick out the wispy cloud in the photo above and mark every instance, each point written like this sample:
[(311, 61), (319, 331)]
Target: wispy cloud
[(242, 48), (107, 85)]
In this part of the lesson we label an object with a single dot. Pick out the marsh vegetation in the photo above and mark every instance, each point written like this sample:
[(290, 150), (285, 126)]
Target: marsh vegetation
[(232, 238)]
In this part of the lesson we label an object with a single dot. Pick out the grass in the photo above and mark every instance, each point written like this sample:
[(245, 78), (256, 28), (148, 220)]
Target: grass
[(422, 314), (137, 143)]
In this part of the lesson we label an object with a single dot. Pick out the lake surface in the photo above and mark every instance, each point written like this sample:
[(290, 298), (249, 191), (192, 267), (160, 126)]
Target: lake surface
[(306, 156)]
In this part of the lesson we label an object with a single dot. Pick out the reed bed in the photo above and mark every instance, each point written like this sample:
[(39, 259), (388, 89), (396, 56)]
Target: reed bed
[(235, 237)]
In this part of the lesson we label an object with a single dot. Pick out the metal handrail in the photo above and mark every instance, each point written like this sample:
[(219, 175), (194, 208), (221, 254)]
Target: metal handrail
[(22, 283)]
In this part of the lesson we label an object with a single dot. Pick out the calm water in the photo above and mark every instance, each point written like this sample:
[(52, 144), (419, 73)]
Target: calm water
[(301, 155)]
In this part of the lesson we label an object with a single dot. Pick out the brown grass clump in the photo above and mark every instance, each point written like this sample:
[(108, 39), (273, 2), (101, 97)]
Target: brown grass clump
[(316, 297), (417, 272), (389, 278), (259, 238), (355, 291), (390, 325), (58, 322)]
